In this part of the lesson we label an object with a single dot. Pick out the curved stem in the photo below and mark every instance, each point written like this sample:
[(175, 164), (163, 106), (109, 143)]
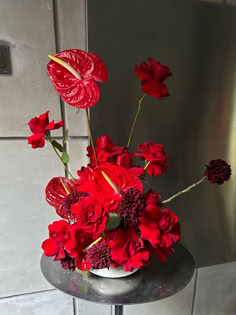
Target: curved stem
[(66, 168), (91, 136), (135, 119), (183, 191)]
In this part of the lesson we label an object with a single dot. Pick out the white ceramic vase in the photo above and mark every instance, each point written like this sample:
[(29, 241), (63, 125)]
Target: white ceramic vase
[(112, 272)]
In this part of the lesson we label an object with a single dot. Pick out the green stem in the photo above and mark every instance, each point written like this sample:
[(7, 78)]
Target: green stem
[(91, 136), (66, 168), (135, 119), (184, 191)]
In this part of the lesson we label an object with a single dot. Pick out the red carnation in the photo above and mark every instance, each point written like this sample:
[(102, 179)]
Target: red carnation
[(159, 227), (58, 238), (39, 126), (152, 77), (107, 152), (218, 171), (60, 199), (152, 197), (155, 156), (127, 249), (91, 215), (78, 89)]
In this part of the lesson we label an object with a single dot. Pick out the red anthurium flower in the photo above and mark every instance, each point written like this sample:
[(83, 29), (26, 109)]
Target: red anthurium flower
[(39, 126), (91, 215), (77, 86), (103, 191), (152, 77), (61, 197), (156, 157), (159, 227)]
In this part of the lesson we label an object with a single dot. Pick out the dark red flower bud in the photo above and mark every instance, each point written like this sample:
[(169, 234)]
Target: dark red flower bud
[(218, 171)]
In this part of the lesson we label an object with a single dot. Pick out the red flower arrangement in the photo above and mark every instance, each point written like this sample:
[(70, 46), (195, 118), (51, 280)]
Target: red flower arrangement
[(107, 218)]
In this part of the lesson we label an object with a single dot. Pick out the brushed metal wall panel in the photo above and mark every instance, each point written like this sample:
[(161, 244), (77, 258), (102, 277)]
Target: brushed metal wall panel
[(77, 151), (197, 40), (43, 303), (24, 214), (216, 290), (27, 27), (72, 33)]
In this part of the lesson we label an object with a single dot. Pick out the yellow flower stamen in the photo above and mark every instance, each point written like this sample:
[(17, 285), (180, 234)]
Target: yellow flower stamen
[(66, 65), (64, 185), (107, 178), (91, 245)]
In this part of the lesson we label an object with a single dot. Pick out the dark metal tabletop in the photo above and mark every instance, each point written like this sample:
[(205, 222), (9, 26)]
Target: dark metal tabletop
[(152, 283)]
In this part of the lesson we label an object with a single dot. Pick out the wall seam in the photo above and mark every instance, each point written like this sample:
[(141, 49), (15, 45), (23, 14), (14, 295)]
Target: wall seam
[(194, 291), (24, 294), (58, 48)]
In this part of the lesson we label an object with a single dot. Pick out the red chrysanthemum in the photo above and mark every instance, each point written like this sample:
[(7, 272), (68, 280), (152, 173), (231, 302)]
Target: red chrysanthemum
[(80, 91), (39, 126), (152, 77), (58, 197), (218, 171)]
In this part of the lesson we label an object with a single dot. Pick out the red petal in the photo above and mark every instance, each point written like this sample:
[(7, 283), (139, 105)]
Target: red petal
[(50, 247)]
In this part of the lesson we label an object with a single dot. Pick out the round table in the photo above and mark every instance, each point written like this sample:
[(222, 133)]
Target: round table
[(152, 283)]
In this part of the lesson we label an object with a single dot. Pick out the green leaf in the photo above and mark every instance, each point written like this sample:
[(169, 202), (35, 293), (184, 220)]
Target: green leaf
[(103, 234), (65, 157), (57, 145), (66, 136), (113, 221)]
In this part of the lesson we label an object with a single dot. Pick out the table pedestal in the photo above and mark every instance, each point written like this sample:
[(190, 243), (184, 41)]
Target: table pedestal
[(117, 310)]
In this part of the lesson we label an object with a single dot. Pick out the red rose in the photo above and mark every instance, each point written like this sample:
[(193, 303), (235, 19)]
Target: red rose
[(152, 77), (155, 156), (58, 238), (159, 227), (91, 215), (127, 249), (79, 88), (39, 126)]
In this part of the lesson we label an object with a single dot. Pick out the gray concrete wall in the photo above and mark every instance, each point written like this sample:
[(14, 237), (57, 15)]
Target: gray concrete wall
[(33, 29)]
